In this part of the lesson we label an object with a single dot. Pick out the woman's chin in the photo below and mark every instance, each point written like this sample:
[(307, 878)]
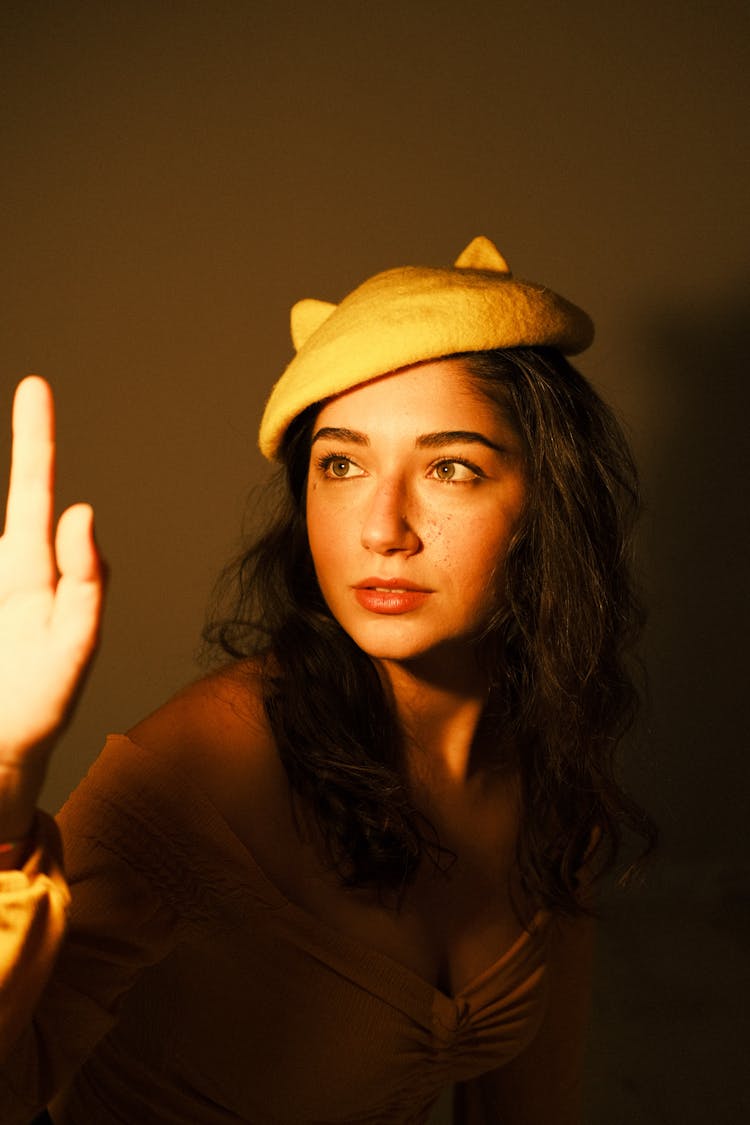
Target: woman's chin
[(447, 663)]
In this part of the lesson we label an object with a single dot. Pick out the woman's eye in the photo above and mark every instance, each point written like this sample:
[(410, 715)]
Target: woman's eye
[(339, 467), (454, 471)]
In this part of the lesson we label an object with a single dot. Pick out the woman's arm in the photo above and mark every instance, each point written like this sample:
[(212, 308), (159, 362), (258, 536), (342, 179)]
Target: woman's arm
[(50, 605), (68, 981), (544, 1084), (33, 905)]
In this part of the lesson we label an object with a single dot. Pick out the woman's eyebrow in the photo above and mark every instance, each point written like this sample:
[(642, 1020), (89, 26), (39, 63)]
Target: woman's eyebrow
[(451, 437), (338, 433)]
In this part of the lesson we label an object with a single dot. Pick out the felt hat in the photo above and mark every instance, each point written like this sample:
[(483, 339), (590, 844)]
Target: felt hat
[(412, 314)]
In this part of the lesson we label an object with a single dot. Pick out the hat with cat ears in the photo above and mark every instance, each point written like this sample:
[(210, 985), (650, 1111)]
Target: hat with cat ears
[(409, 315)]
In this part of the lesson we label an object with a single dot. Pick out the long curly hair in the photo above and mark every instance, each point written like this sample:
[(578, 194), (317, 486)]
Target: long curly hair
[(558, 652)]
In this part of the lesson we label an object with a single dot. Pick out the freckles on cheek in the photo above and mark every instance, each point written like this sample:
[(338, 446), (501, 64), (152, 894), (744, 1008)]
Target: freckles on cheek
[(438, 538)]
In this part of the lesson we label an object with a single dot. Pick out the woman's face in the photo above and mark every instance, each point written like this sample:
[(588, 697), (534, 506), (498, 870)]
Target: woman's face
[(416, 484)]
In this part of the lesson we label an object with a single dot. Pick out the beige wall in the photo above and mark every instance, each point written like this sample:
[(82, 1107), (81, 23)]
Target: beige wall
[(174, 175)]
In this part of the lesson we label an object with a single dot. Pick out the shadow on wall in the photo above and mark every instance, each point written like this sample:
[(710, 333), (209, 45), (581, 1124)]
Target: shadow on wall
[(698, 532), (670, 1031)]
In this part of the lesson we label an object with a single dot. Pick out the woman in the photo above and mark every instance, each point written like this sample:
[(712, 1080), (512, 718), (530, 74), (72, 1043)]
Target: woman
[(354, 864)]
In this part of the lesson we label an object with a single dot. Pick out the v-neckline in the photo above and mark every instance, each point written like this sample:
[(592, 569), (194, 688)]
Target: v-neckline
[(359, 950), (458, 998)]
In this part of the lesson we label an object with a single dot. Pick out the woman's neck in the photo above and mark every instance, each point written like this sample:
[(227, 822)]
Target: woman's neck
[(440, 717)]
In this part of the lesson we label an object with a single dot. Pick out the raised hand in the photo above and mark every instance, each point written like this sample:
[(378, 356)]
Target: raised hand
[(50, 596)]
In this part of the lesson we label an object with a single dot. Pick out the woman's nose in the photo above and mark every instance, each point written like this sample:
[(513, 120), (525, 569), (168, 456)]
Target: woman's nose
[(387, 527)]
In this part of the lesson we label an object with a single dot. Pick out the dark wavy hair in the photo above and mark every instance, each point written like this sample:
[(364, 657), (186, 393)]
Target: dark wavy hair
[(558, 652)]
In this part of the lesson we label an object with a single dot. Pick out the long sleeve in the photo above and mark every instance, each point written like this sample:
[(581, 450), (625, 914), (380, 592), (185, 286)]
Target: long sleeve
[(62, 984), (33, 904)]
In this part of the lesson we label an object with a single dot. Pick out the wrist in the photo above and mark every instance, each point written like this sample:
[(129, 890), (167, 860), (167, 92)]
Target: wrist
[(20, 787), (13, 852)]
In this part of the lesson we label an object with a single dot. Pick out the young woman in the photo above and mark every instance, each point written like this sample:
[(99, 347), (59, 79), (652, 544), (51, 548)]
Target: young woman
[(354, 864)]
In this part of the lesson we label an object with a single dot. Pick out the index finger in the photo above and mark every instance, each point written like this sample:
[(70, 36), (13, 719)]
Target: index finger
[(30, 495)]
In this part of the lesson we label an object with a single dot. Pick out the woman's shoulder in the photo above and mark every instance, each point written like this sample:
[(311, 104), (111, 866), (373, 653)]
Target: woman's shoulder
[(215, 731), (212, 713)]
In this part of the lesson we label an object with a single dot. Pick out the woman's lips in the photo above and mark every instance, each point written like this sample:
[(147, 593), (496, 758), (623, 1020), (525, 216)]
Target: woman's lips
[(390, 595)]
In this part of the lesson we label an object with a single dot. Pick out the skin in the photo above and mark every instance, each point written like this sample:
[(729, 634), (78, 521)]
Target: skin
[(395, 493), (51, 591)]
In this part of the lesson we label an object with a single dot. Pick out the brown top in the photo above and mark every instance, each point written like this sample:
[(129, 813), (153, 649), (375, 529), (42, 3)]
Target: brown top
[(196, 992)]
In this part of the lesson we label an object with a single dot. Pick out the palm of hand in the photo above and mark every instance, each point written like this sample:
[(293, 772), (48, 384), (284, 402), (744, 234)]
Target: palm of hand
[(50, 591)]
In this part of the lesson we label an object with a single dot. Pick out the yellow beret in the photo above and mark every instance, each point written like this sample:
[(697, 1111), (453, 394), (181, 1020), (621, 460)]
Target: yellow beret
[(411, 314)]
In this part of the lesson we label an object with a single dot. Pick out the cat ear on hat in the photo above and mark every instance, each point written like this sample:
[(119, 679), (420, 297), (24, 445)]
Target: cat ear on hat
[(481, 254), (306, 317)]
